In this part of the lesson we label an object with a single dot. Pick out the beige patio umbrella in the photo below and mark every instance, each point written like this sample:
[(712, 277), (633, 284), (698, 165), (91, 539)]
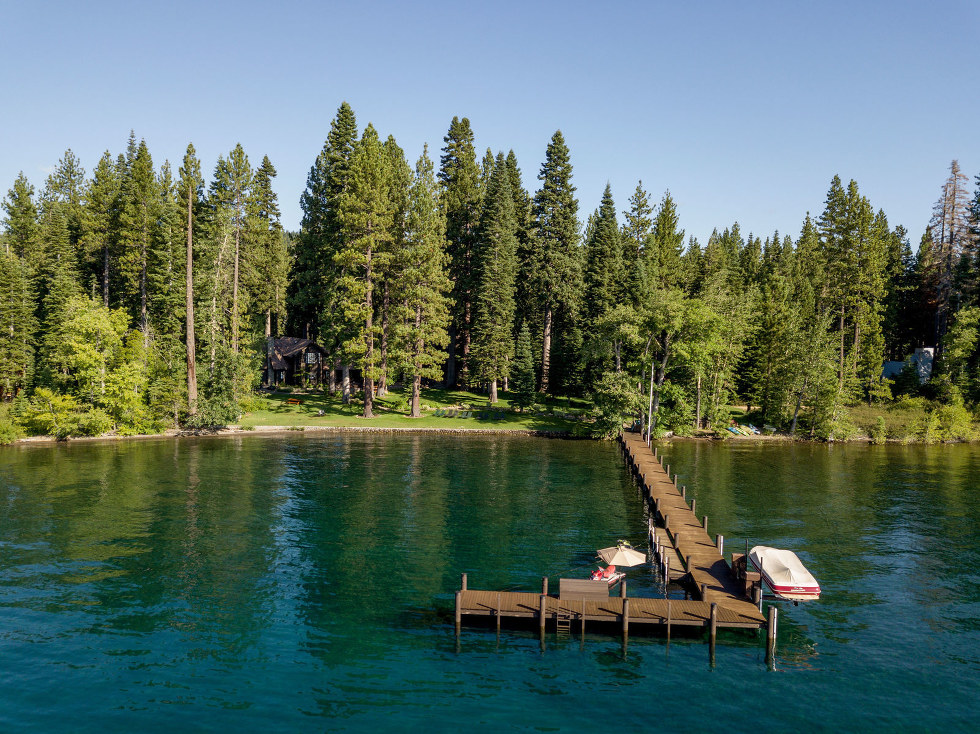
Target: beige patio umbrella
[(622, 555)]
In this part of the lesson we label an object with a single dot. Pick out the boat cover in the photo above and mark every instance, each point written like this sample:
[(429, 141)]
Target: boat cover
[(784, 572)]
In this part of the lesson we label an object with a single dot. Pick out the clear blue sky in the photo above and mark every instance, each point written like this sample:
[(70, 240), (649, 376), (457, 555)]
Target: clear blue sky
[(745, 111)]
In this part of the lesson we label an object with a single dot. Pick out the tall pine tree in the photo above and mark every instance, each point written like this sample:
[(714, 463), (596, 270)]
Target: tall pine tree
[(496, 268)]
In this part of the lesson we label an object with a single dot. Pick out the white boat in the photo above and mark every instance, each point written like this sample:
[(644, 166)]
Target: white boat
[(784, 574)]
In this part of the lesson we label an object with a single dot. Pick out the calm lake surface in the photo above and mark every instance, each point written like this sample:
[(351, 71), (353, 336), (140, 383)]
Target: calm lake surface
[(305, 583)]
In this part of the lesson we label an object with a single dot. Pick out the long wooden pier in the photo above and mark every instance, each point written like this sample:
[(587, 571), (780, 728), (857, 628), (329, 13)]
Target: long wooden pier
[(685, 552)]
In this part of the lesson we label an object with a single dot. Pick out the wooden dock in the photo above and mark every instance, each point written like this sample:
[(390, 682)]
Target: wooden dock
[(682, 547), (626, 611), (675, 524)]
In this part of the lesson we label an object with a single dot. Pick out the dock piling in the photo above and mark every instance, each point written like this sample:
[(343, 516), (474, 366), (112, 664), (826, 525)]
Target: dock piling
[(771, 633), (720, 545), (459, 612), (626, 618), (712, 631), (704, 524), (542, 611), (694, 506), (544, 585)]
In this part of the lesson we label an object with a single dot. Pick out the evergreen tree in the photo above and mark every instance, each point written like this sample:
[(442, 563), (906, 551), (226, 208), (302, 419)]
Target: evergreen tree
[(138, 218), (767, 367), (190, 195), (20, 224), (365, 214), (557, 266), (666, 245), (100, 224), (230, 192), (165, 353), (459, 177), (423, 285), (268, 261), (313, 280), (17, 326), (637, 230), (66, 185), (400, 174), (525, 301), (57, 280), (604, 309), (604, 274), (496, 268), (951, 240), (522, 373)]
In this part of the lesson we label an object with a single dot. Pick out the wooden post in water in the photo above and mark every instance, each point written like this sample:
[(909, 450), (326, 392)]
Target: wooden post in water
[(704, 591), (757, 595), (675, 481), (667, 569), (462, 581), (544, 585), (687, 563), (626, 618), (684, 491), (704, 523), (694, 505), (542, 611), (720, 545), (712, 631), (459, 611), (667, 469), (498, 613), (654, 452), (668, 623), (622, 589), (771, 633), (583, 619)]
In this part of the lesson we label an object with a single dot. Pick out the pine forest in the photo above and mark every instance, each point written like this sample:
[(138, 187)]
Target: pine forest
[(139, 297)]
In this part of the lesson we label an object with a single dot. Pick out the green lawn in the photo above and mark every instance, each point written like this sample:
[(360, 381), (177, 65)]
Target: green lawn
[(472, 410)]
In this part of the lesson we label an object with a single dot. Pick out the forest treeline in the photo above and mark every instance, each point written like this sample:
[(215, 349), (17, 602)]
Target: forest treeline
[(136, 299)]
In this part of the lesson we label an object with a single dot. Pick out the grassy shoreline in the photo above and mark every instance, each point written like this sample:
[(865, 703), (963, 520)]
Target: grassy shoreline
[(457, 412)]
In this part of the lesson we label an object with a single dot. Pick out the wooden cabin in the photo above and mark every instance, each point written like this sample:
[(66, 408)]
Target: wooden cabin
[(294, 361)]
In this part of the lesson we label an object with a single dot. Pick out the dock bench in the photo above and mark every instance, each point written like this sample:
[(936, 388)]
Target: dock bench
[(579, 589)]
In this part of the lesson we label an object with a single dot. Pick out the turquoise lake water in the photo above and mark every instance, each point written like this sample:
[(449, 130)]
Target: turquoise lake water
[(305, 583)]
